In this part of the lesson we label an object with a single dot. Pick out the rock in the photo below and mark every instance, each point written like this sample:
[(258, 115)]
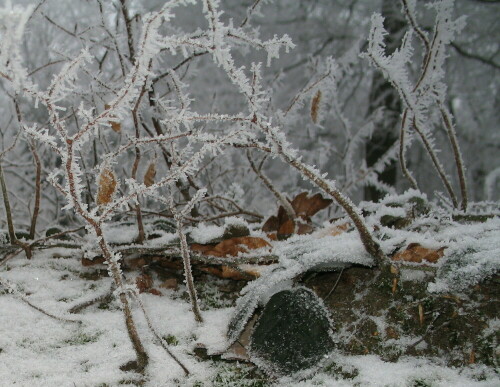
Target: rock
[(292, 334)]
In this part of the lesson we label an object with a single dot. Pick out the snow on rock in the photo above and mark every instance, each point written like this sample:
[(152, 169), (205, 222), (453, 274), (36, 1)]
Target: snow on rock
[(204, 233)]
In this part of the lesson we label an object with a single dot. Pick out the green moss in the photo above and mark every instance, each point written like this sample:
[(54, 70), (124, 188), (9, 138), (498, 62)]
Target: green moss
[(239, 375), (337, 370), (82, 338), (420, 383), (211, 297), (171, 340)]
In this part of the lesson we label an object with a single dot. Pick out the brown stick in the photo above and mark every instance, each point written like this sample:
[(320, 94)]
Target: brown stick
[(281, 198), (128, 26), (142, 356), (114, 268), (6, 203), (402, 160), (10, 224), (187, 271), (140, 226), (456, 154), (370, 244), (436, 163), (38, 189), (38, 173)]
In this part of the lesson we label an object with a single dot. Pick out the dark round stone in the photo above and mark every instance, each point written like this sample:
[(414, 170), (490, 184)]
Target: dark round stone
[(293, 332)]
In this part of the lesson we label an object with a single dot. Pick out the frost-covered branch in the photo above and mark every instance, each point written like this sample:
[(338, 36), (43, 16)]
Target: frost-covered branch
[(428, 91)]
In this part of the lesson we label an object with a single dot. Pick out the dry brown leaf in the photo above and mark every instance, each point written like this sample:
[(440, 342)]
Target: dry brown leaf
[(315, 105), (231, 273), (136, 263), (333, 230), (416, 253), (149, 177), (305, 206), (170, 283), (304, 228), (232, 247), (217, 271), (272, 224), (272, 236), (107, 186), (237, 351), (144, 283), (115, 125), (253, 271), (228, 272), (199, 248), (286, 229), (155, 292)]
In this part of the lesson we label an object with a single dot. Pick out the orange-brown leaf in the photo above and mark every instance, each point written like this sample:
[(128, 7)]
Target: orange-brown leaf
[(149, 177), (155, 292), (272, 236), (232, 247), (107, 186), (304, 228), (170, 283), (231, 273), (305, 206), (136, 263), (144, 282), (333, 230), (416, 253), (272, 224), (115, 125), (203, 249), (286, 228)]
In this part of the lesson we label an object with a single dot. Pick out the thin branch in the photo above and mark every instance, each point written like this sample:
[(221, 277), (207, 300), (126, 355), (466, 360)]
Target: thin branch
[(436, 163), (402, 159), (281, 198), (473, 56), (7, 285)]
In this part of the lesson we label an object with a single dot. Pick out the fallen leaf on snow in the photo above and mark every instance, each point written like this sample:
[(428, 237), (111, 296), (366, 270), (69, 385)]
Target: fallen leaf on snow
[(232, 247), (416, 253)]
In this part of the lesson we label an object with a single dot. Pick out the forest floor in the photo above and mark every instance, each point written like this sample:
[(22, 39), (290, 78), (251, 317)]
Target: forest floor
[(436, 324), (404, 339)]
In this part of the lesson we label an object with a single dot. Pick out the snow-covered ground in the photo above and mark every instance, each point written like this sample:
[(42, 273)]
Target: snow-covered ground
[(38, 350)]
